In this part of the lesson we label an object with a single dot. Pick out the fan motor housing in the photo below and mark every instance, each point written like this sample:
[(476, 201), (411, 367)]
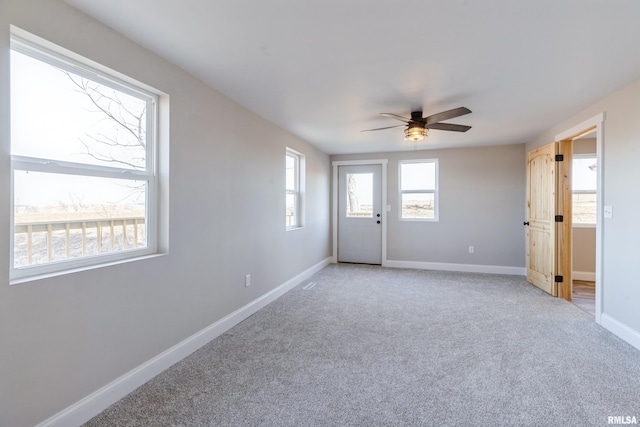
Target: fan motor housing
[(416, 116)]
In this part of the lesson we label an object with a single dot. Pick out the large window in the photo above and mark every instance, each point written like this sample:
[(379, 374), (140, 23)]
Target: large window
[(83, 149), (419, 190), (584, 184), (294, 189)]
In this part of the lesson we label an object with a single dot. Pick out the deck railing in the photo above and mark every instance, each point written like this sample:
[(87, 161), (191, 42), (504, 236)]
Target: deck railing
[(75, 238)]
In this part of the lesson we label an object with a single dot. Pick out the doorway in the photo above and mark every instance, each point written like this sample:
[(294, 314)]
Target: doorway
[(359, 211), (587, 285), (550, 204), (360, 214), (584, 221)]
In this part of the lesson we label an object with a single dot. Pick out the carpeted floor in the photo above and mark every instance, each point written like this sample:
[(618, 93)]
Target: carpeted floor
[(369, 346)]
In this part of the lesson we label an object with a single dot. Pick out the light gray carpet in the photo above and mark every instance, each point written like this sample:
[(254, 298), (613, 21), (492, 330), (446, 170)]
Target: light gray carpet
[(369, 346)]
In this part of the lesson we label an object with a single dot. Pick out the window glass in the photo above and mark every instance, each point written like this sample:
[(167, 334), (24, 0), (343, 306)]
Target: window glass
[(418, 205), (418, 176), (584, 183), (291, 172), (41, 207), (59, 115)]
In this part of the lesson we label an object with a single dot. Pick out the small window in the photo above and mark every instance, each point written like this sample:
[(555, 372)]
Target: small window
[(419, 190), (294, 188), (584, 184), (83, 147)]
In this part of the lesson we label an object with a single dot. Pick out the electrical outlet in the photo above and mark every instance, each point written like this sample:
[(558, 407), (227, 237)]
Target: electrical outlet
[(471, 249), (247, 280)]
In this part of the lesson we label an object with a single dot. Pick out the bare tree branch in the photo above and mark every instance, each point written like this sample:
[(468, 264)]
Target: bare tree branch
[(109, 159), (101, 146), (96, 97)]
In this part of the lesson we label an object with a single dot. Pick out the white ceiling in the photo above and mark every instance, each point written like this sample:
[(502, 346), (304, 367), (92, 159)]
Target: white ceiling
[(325, 69)]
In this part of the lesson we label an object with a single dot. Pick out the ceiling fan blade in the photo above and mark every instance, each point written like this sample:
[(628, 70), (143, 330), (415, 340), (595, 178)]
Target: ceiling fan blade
[(448, 126), (445, 115), (388, 127), (397, 117)]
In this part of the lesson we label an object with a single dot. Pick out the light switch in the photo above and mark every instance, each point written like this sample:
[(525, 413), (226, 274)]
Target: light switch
[(608, 211)]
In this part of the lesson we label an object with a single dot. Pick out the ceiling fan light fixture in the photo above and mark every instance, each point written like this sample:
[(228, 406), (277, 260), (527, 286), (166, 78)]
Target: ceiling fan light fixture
[(415, 132), (417, 125)]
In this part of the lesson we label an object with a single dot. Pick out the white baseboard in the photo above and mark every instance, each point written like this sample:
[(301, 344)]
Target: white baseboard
[(587, 276), (620, 329), (90, 406), (467, 268)]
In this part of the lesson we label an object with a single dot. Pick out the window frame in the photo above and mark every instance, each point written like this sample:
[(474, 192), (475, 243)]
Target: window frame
[(48, 53), (434, 191), (298, 191)]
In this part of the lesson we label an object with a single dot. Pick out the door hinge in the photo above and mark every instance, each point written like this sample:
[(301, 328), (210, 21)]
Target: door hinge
[(559, 218), (559, 157), (559, 279)]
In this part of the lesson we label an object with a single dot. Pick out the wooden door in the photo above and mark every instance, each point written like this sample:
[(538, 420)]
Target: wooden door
[(360, 214), (540, 223)]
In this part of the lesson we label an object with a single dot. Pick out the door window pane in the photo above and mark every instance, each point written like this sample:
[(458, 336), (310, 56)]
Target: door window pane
[(359, 195)]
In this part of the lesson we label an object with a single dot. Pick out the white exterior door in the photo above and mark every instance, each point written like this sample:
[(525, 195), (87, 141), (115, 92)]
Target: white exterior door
[(360, 214)]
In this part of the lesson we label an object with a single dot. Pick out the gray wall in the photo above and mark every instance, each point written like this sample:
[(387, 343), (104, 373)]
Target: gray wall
[(482, 198), (64, 337), (620, 253), (585, 146), (584, 249)]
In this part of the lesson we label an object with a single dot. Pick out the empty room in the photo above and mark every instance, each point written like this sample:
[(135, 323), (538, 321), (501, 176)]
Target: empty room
[(281, 213)]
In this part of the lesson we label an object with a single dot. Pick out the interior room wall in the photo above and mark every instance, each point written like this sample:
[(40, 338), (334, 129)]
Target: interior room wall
[(584, 253), (481, 204), (64, 337), (584, 146), (620, 253)]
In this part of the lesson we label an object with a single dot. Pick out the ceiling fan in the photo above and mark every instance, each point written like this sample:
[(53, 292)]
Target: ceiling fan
[(417, 125)]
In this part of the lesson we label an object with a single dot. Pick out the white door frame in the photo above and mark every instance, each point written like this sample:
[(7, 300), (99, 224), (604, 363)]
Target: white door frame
[(334, 202), (598, 122)]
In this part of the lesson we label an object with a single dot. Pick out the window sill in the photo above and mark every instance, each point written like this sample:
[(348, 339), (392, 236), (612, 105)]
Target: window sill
[(48, 275), (583, 225)]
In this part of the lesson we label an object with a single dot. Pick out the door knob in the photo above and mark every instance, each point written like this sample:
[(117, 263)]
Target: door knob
[(378, 221), (525, 223), (378, 215)]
